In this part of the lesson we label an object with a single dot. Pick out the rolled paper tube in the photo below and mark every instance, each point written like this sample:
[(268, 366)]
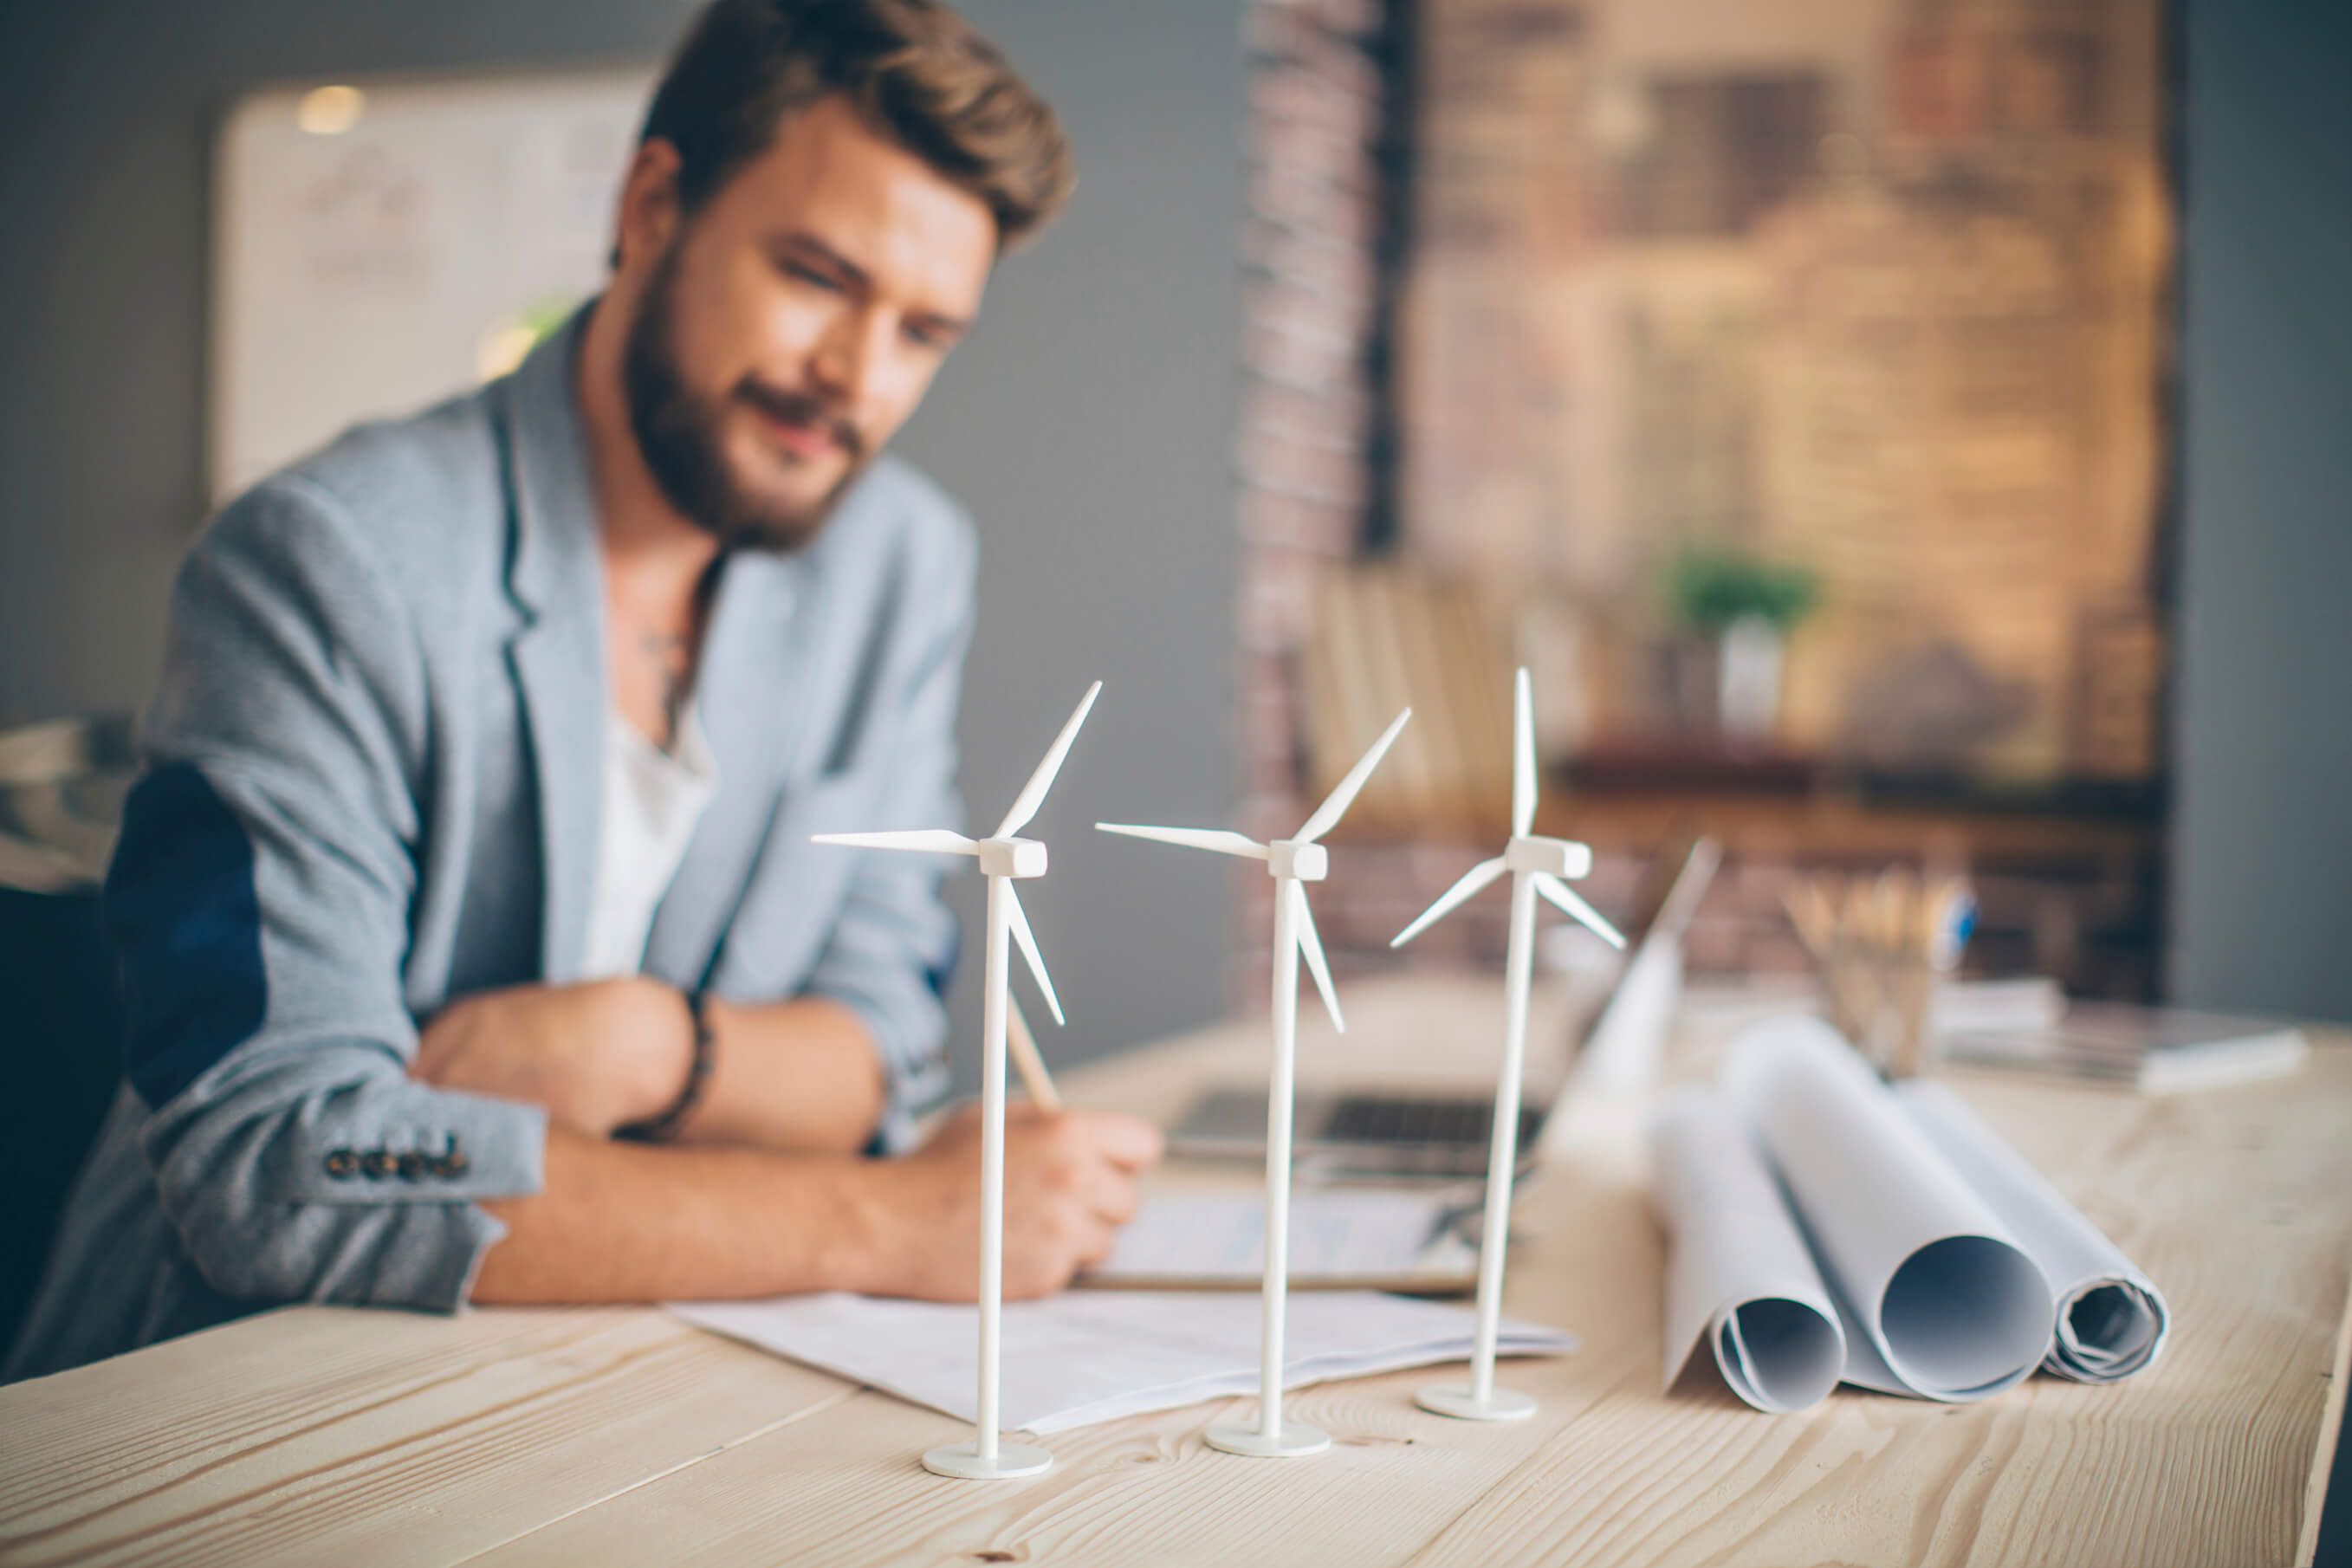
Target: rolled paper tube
[(1939, 1288), (1738, 1274), (2111, 1320)]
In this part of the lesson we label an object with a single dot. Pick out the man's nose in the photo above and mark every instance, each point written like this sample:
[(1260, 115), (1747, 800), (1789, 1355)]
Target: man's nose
[(848, 357)]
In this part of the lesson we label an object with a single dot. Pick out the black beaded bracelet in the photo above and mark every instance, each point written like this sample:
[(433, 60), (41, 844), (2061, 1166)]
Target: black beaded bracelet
[(662, 1127)]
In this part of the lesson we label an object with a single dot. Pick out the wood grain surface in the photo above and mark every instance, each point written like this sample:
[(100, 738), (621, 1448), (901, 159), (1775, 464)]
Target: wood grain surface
[(323, 1435), (614, 1436)]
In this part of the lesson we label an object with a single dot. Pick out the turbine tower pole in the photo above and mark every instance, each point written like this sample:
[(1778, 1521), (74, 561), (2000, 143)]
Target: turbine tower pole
[(1503, 1149), (996, 991), (1276, 1291)]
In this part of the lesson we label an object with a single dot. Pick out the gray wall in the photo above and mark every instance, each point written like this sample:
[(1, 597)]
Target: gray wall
[(2263, 753), (1088, 422)]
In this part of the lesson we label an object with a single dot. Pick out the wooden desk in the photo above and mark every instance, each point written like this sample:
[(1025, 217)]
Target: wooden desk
[(506, 1438)]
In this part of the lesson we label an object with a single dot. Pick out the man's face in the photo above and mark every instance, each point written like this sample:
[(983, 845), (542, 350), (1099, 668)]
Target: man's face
[(795, 322)]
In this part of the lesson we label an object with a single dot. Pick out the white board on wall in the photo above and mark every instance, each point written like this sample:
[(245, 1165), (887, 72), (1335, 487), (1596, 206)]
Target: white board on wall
[(377, 247)]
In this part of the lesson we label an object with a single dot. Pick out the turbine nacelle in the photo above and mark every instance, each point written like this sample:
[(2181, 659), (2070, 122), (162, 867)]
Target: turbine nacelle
[(1292, 862), (1004, 859), (1547, 856), (1299, 861), (1547, 864), (1020, 859)]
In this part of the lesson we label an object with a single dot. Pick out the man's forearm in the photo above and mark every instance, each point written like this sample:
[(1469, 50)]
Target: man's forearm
[(623, 1222), (801, 1074), (618, 1222), (795, 1075)]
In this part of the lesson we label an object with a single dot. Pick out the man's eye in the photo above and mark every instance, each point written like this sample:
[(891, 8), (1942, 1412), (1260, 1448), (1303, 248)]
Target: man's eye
[(802, 272), (924, 335)]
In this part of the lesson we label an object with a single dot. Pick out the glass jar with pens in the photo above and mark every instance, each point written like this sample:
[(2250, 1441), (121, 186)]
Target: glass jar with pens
[(1882, 946)]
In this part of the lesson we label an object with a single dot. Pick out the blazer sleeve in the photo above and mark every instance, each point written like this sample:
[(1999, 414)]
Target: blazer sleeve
[(892, 950), (258, 902)]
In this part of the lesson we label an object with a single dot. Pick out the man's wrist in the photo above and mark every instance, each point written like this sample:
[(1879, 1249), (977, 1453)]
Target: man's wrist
[(869, 1250), (664, 1124)]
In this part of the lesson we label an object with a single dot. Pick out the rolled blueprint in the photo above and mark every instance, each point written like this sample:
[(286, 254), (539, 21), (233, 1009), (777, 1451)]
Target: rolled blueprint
[(2111, 1318), (1738, 1274), (1937, 1296)]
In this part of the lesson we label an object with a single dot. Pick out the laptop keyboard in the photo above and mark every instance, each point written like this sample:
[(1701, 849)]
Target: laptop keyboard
[(1358, 1134), (1397, 1120)]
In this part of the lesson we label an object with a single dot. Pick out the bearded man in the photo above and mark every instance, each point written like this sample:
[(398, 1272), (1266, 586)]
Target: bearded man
[(472, 941)]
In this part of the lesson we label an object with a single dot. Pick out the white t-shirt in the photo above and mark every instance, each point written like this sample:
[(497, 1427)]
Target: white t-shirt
[(653, 799)]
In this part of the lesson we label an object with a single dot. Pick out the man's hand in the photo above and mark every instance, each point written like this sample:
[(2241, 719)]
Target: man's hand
[(1069, 1184), (597, 1055)]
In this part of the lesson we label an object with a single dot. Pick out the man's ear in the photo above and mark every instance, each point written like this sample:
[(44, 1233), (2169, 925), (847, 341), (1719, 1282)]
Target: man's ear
[(648, 216)]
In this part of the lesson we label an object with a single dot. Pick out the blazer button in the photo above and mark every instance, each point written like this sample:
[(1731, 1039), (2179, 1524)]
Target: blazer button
[(451, 1162), (378, 1163), (343, 1164), (411, 1164)]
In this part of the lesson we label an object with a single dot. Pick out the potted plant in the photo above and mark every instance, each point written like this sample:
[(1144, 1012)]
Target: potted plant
[(1746, 606)]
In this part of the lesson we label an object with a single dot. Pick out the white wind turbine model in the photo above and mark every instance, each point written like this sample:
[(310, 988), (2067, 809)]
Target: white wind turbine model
[(1292, 862), (1003, 859), (1536, 866)]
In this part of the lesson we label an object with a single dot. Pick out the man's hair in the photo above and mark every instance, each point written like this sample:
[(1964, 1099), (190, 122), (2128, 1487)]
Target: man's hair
[(913, 70)]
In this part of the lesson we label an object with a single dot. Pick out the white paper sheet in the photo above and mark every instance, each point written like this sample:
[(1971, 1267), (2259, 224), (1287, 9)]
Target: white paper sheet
[(1220, 1238), (1737, 1273), (2111, 1320), (1936, 1285), (1087, 1356)]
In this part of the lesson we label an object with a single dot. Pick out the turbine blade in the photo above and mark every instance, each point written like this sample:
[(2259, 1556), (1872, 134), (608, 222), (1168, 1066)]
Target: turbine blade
[(1028, 940), (1336, 804), (1033, 793), (1477, 877), (1552, 888), (938, 840), (1216, 839), (1523, 758), (1310, 947)]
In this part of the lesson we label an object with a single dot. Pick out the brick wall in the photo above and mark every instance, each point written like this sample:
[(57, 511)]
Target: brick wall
[(1324, 110), (1317, 107), (1328, 110)]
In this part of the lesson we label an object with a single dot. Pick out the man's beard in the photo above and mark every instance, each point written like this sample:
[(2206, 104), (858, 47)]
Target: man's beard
[(677, 434)]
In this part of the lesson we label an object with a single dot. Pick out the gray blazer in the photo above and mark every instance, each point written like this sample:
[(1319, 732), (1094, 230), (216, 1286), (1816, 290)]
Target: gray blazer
[(373, 769)]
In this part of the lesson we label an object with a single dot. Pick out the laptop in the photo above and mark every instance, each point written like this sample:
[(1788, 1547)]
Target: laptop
[(1358, 1135)]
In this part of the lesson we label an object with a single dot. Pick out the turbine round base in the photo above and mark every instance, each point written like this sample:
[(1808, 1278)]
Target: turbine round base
[(962, 1461), (1455, 1399), (1295, 1441)]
